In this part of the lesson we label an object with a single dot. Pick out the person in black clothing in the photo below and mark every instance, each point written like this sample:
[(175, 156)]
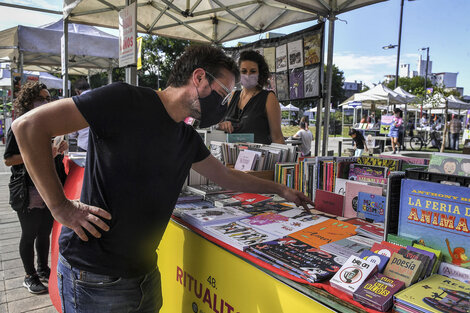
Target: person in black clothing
[(133, 176), (253, 109), (359, 142), (35, 219)]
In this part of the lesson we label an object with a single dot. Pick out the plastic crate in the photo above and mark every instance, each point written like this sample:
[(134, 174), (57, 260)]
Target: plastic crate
[(423, 174)]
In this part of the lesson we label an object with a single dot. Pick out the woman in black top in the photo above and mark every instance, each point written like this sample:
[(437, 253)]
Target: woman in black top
[(253, 109), (35, 218)]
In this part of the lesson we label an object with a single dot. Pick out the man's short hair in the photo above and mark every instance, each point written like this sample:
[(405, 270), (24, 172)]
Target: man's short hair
[(209, 58), (81, 85)]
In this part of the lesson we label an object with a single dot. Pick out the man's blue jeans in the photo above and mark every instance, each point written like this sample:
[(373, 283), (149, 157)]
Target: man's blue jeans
[(86, 292)]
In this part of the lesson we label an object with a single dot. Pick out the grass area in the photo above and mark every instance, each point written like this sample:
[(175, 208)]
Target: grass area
[(288, 131)]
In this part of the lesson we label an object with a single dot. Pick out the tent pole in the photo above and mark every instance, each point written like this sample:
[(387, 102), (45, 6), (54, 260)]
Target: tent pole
[(131, 70), (65, 58), (110, 76), (318, 127), (329, 75)]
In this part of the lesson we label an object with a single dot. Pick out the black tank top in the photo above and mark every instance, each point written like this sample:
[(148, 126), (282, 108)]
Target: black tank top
[(253, 118)]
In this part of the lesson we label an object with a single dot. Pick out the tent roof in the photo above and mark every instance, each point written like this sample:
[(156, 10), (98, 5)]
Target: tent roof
[(438, 101), (290, 107), (405, 94), (214, 21), (49, 80), (89, 48)]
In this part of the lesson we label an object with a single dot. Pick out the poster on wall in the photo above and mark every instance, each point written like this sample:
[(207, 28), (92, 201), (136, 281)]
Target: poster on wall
[(312, 49), (282, 86), (295, 54), (270, 57), (296, 84), (281, 58), (311, 82)]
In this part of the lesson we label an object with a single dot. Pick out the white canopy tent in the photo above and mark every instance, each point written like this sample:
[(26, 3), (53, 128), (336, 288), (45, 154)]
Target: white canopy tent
[(439, 101), (380, 94), (47, 79), (218, 21), (290, 108), (405, 94)]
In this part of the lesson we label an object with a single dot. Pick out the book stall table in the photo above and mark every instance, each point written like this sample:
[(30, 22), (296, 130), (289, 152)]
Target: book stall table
[(203, 276)]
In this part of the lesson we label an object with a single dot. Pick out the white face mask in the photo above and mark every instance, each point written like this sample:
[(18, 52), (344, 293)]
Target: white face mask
[(249, 81)]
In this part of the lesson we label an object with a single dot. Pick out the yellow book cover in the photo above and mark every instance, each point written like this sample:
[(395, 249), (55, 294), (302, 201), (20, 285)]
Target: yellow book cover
[(325, 232), (436, 294)]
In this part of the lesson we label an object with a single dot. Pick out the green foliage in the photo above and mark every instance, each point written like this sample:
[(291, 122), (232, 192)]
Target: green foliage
[(158, 56), (414, 85), (337, 91)]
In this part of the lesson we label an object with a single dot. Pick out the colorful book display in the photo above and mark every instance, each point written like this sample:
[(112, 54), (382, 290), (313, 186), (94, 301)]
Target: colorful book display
[(380, 260), (435, 294), (436, 215), (353, 274), (455, 272), (377, 292), (351, 199)]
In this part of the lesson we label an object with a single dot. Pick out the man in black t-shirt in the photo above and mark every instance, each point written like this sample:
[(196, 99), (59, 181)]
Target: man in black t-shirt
[(133, 176)]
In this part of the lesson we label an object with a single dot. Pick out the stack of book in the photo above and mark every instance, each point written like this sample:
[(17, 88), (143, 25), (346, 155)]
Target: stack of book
[(211, 216), (377, 292)]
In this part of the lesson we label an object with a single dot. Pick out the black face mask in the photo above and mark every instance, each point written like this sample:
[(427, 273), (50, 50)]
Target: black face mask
[(212, 110)]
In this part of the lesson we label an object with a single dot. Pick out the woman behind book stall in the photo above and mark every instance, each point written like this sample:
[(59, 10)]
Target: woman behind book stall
[(396, 129), (254, 109), (35, 218)]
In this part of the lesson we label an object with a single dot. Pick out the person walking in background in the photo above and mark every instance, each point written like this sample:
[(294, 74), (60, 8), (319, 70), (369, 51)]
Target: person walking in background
[(254, 109), (35, 219), (81, 87), (360, 143), (455, 126), (306, 137), (395, 129)]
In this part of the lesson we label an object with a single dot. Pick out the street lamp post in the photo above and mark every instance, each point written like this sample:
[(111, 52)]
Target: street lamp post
[(425, 77)]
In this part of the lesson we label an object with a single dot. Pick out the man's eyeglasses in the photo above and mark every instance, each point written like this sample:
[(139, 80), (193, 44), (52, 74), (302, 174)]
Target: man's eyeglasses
[(228, 91)]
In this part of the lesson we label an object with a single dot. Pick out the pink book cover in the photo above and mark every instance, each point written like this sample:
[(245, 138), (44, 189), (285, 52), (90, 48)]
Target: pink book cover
[(329, 202), (350, 199)]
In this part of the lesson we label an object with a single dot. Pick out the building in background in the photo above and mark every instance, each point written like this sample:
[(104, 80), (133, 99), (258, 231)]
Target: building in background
[(351, 88)]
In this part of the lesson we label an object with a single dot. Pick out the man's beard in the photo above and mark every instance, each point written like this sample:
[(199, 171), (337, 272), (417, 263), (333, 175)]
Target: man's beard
[(195, 109)]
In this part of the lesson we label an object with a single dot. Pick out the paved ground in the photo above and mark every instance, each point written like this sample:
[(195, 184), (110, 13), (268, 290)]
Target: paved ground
[(13, 296)]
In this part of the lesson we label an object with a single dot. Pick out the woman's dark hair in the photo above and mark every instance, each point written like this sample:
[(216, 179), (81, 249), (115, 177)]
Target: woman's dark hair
[(397, 110), (209, 58), (28, 93), (263, 69), (352, 131)]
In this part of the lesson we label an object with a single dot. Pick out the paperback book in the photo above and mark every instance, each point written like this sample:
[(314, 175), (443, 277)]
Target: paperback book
[(436, 215), (371, 207), (430, 255), (191, 206), (299, 257), (377, 292), (329, 202), (404, 269), (325, 232), (211, 216), (408, 254), (346, 247), (353, 274), (384, 249), (380, 260), (351, 199), (435, 294), (206, 189), (455, 272)]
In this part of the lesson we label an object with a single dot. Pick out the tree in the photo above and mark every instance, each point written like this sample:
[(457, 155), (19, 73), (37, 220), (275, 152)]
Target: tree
[(414, 85), (337, 91), (158, 56)]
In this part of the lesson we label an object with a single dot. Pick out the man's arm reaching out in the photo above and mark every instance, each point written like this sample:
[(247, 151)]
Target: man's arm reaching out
[(33, 132)]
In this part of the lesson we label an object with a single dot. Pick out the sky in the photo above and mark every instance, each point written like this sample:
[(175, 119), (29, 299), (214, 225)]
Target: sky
[(441, 25)]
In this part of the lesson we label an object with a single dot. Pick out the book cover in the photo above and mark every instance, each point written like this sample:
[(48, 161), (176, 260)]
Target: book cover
[(312, 82), (227, 202), (371, 179), (366, 170), (340, 186), (432, 258), (382, 249), (212, 216), (325, 232), (455, 272), (296, 84), (186, 196), (401, 268), (371, 206), (379, 259), (346, 247), (352, 194), (246, 160), (353, 274), (268, 206), (446, 163), (238, 235), (400, 240), (206, 189), (300, 257), (374, 231), (191, 206), (281, 58), (436, 294), (417, 256), (251, 198), (296, 56), (436, 215), (312, 49), (282, 86), (329, 202), (240, 137), (377, 292), (392, 165)]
